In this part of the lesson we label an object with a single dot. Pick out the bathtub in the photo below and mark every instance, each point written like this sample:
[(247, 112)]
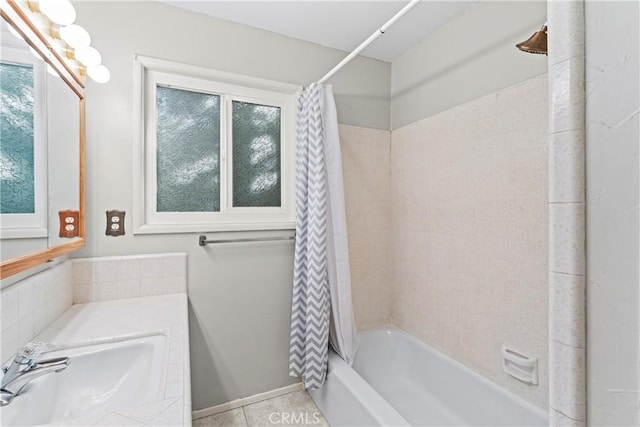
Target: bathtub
[(397, 380)]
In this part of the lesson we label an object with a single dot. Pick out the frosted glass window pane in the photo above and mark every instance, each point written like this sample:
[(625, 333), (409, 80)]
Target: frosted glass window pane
[(256, 155), (17, 186), (188, 151)]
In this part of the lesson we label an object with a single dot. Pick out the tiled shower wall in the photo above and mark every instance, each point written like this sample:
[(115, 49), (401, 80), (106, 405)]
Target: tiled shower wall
[(469, 212), (365, 163)]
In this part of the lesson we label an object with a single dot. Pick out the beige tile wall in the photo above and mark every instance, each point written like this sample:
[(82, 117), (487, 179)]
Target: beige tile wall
[(365, 161), (470, 235)]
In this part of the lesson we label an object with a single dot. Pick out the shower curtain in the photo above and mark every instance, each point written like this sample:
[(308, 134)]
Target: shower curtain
[(321, 305)]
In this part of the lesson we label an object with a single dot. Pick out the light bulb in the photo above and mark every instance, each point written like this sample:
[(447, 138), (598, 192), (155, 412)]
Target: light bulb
[(15, 32), (75, 36), (99, 74), (61, 12), (88, 56)]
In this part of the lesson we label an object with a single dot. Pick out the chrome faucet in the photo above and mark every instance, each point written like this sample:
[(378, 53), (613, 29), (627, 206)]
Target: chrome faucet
[(25, 367)]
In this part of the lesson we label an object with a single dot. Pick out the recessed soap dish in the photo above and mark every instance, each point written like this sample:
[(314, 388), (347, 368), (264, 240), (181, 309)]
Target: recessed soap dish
[(519, 366)]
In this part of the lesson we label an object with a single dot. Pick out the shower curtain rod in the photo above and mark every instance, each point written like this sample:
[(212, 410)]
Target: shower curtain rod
[(380, 31)]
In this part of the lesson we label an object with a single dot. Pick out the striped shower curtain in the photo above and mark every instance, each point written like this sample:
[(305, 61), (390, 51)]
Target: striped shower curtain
[(321, 305)]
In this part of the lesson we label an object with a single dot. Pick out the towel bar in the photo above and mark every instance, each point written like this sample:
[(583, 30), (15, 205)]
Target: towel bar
[(202, 240)]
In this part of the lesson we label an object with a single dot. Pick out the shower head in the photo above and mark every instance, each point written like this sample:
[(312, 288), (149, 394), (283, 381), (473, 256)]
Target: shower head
[(537, 43)]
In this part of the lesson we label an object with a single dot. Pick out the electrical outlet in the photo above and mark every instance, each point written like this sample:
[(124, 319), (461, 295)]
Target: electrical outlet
[(69, 223), (115, 223)]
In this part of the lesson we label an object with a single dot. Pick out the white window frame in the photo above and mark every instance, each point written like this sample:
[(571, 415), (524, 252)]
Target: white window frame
[(151, 72), (30, 225)]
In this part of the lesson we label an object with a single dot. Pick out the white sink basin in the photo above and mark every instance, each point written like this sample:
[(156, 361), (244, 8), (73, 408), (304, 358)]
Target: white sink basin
[(100, 379)]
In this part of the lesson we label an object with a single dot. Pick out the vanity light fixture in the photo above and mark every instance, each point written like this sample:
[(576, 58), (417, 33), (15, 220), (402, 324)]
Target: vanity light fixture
[(60, 12), (75, 36), (99, 74), (70, 40), (88, 56)]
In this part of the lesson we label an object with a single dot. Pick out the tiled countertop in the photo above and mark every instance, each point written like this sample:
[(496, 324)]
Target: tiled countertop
[(100, 322)]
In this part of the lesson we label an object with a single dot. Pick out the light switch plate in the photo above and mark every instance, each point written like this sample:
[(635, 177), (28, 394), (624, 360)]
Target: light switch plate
[(115, 223), (69, 223)]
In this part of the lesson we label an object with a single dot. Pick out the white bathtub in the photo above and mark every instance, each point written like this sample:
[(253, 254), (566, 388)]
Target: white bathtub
[(398, 380)]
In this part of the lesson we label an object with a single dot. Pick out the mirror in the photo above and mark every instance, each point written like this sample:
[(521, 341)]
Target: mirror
[(41, 151)]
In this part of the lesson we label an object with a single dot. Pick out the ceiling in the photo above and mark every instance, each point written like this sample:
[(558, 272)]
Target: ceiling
[(338, 24)]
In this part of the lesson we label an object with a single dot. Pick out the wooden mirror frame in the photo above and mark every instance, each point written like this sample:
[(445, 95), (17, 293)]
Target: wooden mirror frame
[(15, 16)]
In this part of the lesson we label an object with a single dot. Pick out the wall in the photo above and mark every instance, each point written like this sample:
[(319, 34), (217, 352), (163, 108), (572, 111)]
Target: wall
[(32, 304), (367, 185), (469, 198), (240, 295), (471, 56), (613, 294)]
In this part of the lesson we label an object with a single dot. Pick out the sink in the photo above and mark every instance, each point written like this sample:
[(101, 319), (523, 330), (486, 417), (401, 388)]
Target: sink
[(101, 378)]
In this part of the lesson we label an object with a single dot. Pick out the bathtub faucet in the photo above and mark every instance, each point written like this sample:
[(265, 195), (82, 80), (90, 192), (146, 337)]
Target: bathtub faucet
[(26, 367)]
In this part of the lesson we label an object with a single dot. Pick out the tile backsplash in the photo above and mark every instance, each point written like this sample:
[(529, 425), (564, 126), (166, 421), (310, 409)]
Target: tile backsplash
[(117, 277), (30, 305)]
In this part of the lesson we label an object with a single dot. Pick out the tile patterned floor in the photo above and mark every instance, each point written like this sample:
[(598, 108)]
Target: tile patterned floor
[(290, 410)]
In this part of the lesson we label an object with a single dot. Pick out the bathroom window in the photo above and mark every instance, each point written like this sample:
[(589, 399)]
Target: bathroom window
[(216, 151), (187, 151)]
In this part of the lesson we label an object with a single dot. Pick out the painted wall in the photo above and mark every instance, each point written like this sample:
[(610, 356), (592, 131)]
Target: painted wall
[(240, 295), (612, 57), (471, 56), (469, 215)]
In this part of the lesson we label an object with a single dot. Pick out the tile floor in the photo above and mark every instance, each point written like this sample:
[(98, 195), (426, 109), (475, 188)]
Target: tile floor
[(293, 409)]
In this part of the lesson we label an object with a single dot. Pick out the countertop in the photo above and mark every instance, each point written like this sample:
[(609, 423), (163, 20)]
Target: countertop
[(108, 321)]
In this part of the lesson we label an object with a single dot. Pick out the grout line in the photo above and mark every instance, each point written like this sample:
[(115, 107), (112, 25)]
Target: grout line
[(244, 414), (125, 416), (562, 413), (568, 345), (578, 55), (566, 274), (560, 132)]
